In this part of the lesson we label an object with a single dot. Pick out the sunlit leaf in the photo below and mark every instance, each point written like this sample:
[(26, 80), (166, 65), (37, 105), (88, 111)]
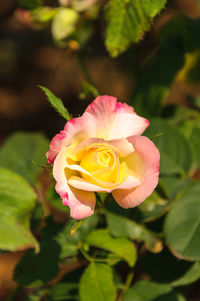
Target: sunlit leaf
[(119, 246), (43, 14), (63, 291), (175, 152), (150, 291), (182, 225), (191, 129), (120, 226), (56, 103), (97, 283), (127, 22), (17, 201), (20, 150)]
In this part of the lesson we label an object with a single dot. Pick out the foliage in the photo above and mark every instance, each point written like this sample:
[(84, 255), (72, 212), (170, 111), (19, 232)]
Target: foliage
[(97, 283), (127, 22), (34, 146), (17, 203), (56, 103)]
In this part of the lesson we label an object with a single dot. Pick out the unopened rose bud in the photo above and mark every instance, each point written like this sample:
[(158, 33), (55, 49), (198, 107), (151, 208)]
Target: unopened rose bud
[(64, 23)]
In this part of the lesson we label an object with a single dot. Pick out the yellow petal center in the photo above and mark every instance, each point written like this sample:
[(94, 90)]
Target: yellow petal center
[(101, 163)]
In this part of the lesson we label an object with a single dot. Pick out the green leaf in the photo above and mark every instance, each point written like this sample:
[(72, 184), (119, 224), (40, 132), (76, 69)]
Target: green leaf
[(164, 267), (191, 275), (68, 242), (150, 291), (61, 234), (153, 208), (43, 14), (37, 269), (87, 225), (19, 152), (173, 185), (182, 225), (177, 38), (120, 226), (121, 246), (180, 297), (17, 201), (63, 291), (127, 22), (184, 29), (184, 114), (189, 124), (38, 295), (155, 76), (97, 283), (175, 153), (56, 103), (193, 135)]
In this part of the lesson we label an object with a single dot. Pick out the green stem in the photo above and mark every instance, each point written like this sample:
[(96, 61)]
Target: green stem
[(93, 259), (150, 56), (86, 255), (84, 68), (88, 78), (126, 285), (105, 260)]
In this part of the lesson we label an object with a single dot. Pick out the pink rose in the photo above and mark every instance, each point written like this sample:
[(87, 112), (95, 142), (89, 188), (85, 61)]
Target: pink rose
[(102, 151)]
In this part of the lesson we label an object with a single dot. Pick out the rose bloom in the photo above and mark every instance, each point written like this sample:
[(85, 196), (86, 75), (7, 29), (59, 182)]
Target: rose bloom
[(103, 151)]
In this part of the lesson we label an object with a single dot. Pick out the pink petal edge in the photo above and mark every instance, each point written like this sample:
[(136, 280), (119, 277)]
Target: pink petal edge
[(150, 156), (84, 124), (115, 120), (81, 203)]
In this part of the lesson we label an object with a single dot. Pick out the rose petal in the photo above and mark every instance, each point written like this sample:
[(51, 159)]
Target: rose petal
[(106, 186), (56, 144), (120, 146), (115, 120), (81, 183), (146, 157), (76, 130), (81, 203), (129, 182)]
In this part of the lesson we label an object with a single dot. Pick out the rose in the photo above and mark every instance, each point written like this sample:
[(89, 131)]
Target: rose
[(103, 151)]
